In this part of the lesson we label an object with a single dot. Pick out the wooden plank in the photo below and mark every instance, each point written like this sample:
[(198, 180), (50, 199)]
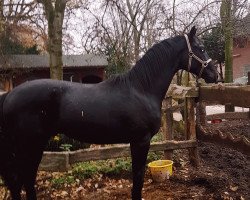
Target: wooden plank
[(190, 118), (180, 92), (248, 75), (228, 115), (61, 161), (168, 126), (104, 153), (190, 129), (55, 161), (235, 95), (201, 113)]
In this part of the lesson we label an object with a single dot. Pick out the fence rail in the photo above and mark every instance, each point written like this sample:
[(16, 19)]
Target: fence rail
[(223, 94), (62, 161)]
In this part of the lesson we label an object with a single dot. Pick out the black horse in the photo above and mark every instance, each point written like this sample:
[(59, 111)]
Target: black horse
[(123, 109)]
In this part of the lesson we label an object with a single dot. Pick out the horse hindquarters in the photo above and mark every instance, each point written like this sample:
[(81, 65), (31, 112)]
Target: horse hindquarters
[(139, 152)]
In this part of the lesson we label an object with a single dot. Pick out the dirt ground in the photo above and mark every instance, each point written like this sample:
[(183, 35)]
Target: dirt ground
[(223, 174)]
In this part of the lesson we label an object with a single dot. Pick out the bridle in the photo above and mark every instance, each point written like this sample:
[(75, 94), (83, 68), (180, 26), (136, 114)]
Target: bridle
[(192, 55)]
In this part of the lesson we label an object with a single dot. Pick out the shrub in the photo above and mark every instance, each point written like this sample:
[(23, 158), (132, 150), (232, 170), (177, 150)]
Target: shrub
[(63, 143)]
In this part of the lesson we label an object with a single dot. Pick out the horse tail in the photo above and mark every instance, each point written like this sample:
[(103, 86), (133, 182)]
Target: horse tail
[(2, 98), (6, 152)]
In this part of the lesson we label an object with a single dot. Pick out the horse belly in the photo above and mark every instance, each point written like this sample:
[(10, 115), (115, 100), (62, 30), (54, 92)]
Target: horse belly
[(103, 129), (99, 134)]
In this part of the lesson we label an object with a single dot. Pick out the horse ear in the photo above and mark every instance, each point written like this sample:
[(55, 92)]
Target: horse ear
[(192, 33)]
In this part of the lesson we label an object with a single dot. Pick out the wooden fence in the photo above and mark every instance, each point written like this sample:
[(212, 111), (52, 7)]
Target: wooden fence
[(224, 95), (220, 94), (61, 161)]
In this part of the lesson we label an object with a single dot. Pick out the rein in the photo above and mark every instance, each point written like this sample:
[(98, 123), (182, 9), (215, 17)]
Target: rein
[(192, 55)]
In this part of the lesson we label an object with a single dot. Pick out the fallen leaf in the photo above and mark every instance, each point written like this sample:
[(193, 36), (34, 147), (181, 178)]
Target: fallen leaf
[(234, 188), (64, 193)]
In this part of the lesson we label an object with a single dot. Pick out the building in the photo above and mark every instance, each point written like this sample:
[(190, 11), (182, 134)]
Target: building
[(16, 69), (241, 49)]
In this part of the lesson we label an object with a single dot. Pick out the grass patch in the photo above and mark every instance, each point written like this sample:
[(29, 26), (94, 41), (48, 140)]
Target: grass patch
[(157, 137), (152, 156), (108, 167), (59, 182)]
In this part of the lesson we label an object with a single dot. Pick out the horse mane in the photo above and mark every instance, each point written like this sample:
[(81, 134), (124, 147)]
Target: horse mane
[(148, 68)]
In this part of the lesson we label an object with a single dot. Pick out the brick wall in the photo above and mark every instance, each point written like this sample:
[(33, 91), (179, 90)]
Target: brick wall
[(241, 59)]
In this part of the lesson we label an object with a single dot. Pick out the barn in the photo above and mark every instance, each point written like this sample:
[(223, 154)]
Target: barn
[(16, 69)]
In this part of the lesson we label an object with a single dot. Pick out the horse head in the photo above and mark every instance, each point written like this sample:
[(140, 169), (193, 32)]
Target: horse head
[(197, 60)]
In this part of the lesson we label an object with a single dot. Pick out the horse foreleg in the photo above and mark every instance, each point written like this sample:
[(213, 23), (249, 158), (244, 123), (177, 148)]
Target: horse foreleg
[(139, 152), (30, 192), (15, 191)]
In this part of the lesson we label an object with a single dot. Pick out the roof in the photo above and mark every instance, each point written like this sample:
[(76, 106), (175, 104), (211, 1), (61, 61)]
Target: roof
[(42, 61)]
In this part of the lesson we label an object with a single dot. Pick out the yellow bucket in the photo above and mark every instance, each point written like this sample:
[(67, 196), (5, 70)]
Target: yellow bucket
[(161, 169)]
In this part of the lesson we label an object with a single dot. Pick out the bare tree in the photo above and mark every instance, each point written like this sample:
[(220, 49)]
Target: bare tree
[(226, 19), (124, 29), (54, 13), (1, 16), (13, 15)]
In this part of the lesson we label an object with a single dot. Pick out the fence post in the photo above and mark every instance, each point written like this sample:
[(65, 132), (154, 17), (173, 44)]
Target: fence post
[(190, 128), (167, 123), (201, 113), (248, 83), (248, 75)]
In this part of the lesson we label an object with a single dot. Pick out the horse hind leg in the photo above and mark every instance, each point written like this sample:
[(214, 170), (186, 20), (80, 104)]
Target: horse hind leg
[(31, 169), (139, 152)]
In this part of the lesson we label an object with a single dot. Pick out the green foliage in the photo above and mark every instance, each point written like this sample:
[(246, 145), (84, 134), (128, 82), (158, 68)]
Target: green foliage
[(152, 156), (111, 167), (85, 170), (65, 147), (108, 167), (158, 137), (61, 181), (214, 44), (118, 61), (9, 46), (62, 143)]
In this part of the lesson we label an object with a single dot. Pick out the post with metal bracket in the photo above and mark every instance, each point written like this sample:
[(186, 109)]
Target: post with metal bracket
[(248, 75), (167, 124), (190, 128)]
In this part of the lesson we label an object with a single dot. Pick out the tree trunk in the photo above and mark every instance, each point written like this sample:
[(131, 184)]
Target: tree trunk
[(226, 19), (1, 25), (55, 15)]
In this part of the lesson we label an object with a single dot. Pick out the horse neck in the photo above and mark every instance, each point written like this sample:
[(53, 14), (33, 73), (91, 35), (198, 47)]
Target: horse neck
[(155, 70)]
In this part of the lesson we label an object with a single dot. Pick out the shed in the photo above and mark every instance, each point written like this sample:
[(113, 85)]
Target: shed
[(16, 69), (241, 49)]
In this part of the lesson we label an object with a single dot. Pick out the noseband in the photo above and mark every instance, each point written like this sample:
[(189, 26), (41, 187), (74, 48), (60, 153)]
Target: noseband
[(192, 55)]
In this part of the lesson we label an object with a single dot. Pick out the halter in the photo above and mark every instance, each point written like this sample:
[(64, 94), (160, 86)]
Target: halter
[(192, 55)]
